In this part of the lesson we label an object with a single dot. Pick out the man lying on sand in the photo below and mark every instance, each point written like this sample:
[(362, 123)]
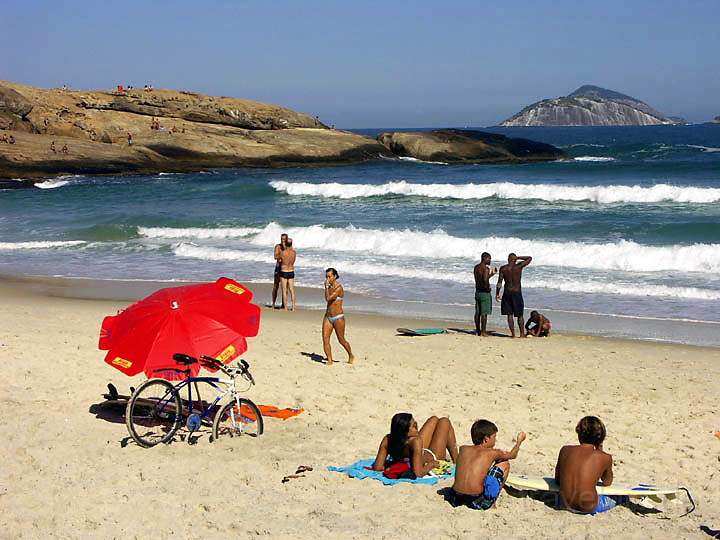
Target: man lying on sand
[(481, 469), (418, 450), (579, 468), (538, 325)]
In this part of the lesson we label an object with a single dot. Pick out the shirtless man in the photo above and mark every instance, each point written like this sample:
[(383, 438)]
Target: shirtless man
[(481, 469), (276, 255), (287, 273), (579, 467), (512, 303), (483, 298)]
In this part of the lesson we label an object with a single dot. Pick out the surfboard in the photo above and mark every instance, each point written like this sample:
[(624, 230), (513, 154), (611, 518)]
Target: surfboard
[(421, 331), (547, 483)]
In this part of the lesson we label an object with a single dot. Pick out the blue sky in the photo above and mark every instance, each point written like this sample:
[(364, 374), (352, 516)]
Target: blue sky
[(377, 64)]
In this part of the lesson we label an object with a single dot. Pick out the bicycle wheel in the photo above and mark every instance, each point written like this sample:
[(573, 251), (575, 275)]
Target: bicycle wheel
[(233, 420), (154, 413)]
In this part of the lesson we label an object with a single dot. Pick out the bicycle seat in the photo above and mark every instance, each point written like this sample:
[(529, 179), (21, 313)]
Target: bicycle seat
[(184, 359)]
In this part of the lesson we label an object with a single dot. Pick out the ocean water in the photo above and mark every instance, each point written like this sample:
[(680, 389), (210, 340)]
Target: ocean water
[(629, 227)]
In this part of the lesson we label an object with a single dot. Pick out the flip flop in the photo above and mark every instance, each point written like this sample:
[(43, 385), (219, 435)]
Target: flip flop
[(303, 468), (291, 476)]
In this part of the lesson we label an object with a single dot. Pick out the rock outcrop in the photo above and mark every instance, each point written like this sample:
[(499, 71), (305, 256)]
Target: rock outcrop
[(461, 146), (715, 120), (77, 132), (590, 106)]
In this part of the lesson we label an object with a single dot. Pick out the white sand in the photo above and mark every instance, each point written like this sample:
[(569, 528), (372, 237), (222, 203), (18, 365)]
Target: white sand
[(69, 474)]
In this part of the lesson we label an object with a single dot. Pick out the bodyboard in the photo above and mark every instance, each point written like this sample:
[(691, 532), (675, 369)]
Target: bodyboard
[(421, 331), (547, 483)]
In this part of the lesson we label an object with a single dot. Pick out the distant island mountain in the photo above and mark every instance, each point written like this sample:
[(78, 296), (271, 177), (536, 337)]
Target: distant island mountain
[(715, 120), (590, 106)]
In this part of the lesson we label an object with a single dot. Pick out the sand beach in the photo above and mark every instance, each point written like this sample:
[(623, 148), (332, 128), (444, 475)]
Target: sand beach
[(71, 471)]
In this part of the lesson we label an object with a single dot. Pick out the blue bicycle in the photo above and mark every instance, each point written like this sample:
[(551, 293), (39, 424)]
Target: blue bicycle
[(156, 411)]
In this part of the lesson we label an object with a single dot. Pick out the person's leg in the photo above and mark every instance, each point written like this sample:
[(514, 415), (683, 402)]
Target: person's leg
[(284, 285), (511, 325), (443, 440), (477, 315), (521, 325), (327, 329), (276, 286), (483, 325), (427, 430), (505, 467), (291, 287), (339, 326)]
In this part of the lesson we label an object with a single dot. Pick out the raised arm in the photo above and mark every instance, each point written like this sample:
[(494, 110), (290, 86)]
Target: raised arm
[(331, 296), (382, 454), (276, 253), (502, 455), (524, 261)]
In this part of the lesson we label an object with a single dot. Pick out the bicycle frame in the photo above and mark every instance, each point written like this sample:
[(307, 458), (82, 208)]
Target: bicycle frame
[(215, 382)]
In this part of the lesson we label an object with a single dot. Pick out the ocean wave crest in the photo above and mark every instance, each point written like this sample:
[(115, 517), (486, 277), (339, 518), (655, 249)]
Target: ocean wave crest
[(599, 159), (197, 232), (417, 272), (611, 194), (42, 244), (624, 255)]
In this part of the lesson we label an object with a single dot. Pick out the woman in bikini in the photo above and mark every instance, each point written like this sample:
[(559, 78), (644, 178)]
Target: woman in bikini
[(334, 318), (420, 449)]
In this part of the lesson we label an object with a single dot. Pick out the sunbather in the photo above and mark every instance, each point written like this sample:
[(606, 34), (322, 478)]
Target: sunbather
[(419, 449)]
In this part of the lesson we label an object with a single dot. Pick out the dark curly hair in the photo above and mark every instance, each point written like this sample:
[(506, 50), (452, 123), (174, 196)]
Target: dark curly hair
[(591, 430)]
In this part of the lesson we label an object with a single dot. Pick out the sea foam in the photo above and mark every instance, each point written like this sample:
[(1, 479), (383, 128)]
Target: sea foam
[(611, 194), (197, 232), (43, 244), (622, 255)]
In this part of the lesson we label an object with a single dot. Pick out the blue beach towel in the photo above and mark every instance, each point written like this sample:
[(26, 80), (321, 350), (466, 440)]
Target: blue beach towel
[(358, 470)]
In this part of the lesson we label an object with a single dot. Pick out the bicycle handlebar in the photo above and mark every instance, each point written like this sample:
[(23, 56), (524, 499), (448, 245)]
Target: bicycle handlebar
[(209, 361)]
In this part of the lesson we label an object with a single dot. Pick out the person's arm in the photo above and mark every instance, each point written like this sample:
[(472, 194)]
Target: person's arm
[(419, 465), (499, 285), (276, 253), (382, 454), (558, 465), (331, 296), (607, 475), (502, 455), (525, 260), (493, 271)]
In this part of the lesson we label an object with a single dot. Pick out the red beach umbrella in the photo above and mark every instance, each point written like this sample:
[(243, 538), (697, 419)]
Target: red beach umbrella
[(210, 319)]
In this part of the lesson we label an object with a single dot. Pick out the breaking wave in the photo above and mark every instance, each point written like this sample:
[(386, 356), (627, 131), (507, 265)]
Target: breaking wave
[(197, 232), (622, 255), (507, 190), (599, 159), (40, 244)]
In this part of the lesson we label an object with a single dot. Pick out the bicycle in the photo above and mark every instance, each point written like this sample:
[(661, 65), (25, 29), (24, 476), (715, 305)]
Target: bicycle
[(155, 410)]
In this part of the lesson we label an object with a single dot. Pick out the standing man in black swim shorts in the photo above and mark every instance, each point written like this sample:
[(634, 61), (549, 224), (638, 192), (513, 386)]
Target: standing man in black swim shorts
[(287, 274), (279, 248), (512, 303)]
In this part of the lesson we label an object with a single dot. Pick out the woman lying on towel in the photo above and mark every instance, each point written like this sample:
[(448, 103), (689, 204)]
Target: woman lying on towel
[(407, 452)]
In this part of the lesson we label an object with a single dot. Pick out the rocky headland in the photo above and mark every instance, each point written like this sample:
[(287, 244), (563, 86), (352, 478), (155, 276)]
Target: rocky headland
[(464, 146), (46, 132), (50, 132), (590, 106)]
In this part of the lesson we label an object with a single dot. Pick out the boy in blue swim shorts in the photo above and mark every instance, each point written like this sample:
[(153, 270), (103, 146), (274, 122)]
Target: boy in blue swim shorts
[(580, 467), (481, 469)]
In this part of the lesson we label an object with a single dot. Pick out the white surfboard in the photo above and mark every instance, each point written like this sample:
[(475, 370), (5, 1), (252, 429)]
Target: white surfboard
[(547, 483)]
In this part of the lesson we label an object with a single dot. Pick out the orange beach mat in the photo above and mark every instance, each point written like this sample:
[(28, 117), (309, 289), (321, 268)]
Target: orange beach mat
[(271, 410)]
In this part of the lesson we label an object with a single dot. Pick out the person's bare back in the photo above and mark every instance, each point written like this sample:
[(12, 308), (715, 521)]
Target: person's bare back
[(580, 467), (472, 467), (287, 259)]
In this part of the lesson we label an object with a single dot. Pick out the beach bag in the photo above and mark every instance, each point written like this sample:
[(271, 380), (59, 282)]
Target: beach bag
[(398, 471)]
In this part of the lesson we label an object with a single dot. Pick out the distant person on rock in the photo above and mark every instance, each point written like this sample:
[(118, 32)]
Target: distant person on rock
[(483, 296), (52, 147), (129, 138), (11, 139), (278, 262), (512, 304), (287, 274), (538, 325), (64, 149)]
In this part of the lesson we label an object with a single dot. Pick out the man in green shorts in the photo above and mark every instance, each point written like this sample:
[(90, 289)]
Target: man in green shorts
[(483, 298)]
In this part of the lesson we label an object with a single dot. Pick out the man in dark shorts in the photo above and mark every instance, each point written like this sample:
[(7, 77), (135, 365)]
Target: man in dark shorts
[(279, 248), (512, 303), (483, 298)]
